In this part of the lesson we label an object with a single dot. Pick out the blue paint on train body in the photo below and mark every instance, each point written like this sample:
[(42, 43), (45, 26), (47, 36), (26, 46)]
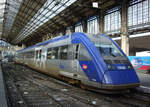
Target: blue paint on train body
[(91, 71), (121, 74), (98, 62), (116, 77), (97, 69)]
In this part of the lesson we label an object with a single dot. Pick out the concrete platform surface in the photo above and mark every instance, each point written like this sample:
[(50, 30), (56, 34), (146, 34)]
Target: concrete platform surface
[(144, 79), (3, 100)]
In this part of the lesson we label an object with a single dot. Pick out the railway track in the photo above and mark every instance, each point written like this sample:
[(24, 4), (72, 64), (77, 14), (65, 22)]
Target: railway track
[(28, 88)]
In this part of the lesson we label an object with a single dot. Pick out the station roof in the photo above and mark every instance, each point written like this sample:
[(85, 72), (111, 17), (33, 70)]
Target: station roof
[(25, 21)]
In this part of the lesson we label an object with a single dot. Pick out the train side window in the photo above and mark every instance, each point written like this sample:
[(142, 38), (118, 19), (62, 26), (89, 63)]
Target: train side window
[(32, 54), (55, 53), (39, 52), (83, 54), (63, 52), (36, 54), (49, 53)]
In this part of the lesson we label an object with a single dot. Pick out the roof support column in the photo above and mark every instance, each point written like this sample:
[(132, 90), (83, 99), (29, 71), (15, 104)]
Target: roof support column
[(124, 28), (23, 46), (101, 21), (132, 53), (84, 25)]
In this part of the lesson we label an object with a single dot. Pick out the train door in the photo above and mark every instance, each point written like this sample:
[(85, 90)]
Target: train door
[(65, 58), (43, 57), (38, 58), (68, 58)]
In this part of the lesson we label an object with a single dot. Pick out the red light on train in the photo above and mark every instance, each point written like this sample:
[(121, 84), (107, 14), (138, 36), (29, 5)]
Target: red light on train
[(84, 66)]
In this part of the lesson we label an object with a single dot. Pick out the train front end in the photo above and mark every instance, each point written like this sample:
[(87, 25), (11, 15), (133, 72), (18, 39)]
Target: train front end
[(116, 70), (108, 67)]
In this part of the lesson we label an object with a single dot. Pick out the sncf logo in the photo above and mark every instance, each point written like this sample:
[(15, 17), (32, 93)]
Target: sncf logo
[(84, 66)]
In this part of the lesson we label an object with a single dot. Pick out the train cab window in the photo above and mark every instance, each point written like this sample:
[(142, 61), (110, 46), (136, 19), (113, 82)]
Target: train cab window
[(55, 53), (49, 53), (83, 54), (63, 52)]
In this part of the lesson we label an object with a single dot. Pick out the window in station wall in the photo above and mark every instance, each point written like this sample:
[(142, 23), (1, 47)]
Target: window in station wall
[(139, 14), (68, 30), (93, 25), (112, 20), (78, 27)]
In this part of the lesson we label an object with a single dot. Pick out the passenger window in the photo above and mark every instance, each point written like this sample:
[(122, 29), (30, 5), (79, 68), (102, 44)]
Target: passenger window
[(36, 52), (63, 52), (49, 53), (83, 54), (39, 52), (55, 53)]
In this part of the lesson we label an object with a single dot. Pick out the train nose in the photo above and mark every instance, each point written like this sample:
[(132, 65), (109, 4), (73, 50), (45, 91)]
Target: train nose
[(120, 77)]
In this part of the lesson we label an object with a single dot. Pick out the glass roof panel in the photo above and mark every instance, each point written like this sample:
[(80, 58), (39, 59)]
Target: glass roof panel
[(2, 7), (50, 9), (11, 11)]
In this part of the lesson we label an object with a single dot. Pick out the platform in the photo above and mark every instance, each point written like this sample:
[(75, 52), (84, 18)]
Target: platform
[(3, 100), (145, 82)]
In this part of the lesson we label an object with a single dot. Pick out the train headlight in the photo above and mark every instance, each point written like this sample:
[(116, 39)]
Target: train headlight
[(129, 66), (110, 67)]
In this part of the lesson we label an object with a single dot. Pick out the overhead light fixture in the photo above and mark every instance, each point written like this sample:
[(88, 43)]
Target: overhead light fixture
[(95, 4)]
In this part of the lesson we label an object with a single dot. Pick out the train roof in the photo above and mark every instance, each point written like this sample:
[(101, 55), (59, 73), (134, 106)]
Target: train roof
[(74, 35), (45, 42)]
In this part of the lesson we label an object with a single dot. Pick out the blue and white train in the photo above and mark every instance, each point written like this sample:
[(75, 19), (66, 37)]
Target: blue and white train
[(94, 61)]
